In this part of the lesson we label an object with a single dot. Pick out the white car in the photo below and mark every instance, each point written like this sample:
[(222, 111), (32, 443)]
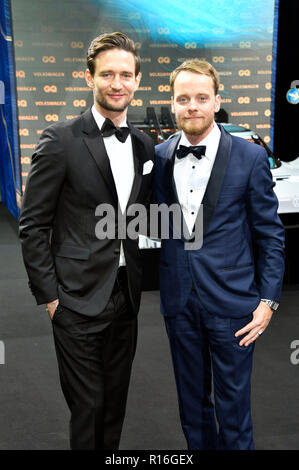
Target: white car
[(285, 174)]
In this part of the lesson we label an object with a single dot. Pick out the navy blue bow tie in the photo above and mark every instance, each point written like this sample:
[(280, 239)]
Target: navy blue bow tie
[(198, 151), (108, 129)]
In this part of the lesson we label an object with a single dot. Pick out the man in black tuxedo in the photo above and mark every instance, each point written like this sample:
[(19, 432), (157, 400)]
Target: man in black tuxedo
[(91, 286)]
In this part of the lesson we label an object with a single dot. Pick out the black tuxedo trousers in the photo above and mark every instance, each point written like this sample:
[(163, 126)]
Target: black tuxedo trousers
[(95, 357)]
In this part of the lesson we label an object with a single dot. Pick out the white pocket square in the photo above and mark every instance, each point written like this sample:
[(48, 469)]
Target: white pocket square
[(147, 167)]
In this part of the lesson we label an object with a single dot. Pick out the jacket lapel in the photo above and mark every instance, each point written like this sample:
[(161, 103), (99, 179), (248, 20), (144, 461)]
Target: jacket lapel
[(95, 145), (173, 195), (139, 154), (211, 195), (169, 167)]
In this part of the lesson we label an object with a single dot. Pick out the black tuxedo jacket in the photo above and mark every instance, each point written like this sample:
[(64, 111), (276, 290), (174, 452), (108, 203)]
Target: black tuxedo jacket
[(70, 176)]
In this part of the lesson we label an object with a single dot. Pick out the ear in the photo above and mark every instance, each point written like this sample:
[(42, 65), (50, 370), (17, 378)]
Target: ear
[(89, 79), (137, 80), (217, 103)]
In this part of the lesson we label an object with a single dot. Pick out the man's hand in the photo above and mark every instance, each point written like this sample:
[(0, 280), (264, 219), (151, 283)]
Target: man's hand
[(51, 307), (261, 318)]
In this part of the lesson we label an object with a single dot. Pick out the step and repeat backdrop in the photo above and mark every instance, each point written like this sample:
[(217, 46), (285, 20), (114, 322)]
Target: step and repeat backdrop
[(51, 39)]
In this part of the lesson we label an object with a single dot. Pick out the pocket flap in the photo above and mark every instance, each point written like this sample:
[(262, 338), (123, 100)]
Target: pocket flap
[(68, 251)]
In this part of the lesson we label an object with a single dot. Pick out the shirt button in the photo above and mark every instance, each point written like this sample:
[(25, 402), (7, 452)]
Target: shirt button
[(192, 213), (191, 190), (193, 167)]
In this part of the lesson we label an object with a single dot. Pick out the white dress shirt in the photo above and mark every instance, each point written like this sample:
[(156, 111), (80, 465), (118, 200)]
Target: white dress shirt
[(191, 175), (122, 166)]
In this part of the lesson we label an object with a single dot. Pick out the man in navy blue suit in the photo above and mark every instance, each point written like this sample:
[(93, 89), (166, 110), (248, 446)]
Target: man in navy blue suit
[(216, 299)]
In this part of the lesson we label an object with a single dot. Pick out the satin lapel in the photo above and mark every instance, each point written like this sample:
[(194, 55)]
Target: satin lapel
[(215, 182), (95, 144), (173, 195), (169, 167), (139, 156)]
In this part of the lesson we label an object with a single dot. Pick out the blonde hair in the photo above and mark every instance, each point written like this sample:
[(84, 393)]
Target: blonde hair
[(196, 66)]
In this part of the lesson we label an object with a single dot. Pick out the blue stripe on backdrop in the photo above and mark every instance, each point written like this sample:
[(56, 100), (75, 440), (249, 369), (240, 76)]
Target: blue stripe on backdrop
[(274, 70), (10, 179)]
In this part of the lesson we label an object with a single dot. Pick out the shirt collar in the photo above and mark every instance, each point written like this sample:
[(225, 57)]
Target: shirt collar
[(209, 141), (99, 119)]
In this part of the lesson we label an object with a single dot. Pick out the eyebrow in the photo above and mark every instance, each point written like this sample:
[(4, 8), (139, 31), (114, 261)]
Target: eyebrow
[(183, 95), (113, 71)]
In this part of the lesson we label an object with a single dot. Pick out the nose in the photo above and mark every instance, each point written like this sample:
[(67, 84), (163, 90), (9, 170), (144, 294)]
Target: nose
[(116, 83), (193, 105)]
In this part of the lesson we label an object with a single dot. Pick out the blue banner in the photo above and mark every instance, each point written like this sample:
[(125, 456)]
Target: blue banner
[(274, 70), (10, 179)]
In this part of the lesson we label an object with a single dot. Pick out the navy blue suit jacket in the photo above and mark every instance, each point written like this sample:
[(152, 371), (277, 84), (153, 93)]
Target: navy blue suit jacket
[(239, 213)]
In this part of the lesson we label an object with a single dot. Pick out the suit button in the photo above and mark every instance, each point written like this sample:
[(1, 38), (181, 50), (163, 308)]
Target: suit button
[(117, 251)]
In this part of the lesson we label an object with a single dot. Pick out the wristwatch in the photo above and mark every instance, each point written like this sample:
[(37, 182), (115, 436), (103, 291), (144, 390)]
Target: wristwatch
[(272, 304)]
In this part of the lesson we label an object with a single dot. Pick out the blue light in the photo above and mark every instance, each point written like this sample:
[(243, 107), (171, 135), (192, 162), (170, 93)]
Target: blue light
[(202, 21)]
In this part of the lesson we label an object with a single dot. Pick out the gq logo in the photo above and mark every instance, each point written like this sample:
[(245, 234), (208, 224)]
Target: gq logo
[(50, 59), (163, 31), (138, 102), (79, 103), (78, 45), (51, 117), (22, 103), (20, 74), (25, 160), (244, 73), (24, 132), (2, 92), (163, 60), (244, 100), (190, 45), (293, 93), (163, 88), (50, 89), (218, 58), (78, 74), (245, 45)]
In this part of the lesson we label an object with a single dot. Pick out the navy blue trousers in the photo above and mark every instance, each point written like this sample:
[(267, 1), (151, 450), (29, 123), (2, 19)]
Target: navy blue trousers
[(207, 358)]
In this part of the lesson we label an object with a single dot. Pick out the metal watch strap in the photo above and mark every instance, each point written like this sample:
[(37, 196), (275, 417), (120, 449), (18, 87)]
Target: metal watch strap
[(271, 303)]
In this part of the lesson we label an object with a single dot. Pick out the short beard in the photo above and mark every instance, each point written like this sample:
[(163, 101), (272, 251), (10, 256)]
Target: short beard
[(194, 131), (103, 103)]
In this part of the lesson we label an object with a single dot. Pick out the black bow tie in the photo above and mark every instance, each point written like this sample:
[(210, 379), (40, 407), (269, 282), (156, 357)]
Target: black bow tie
[(198, 151), (108, 129)]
